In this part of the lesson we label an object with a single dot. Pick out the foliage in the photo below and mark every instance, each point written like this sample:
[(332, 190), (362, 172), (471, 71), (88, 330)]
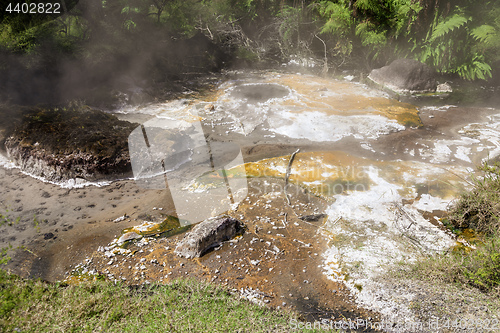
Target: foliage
[(464, 40), (479, 208), (26, 41), (339, 22), (479, 268), (367, 23), (450, 46), (290, 25), (140, 38)]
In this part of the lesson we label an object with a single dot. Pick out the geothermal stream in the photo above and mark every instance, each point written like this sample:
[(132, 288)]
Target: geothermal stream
[(386, 170), (384, 201)]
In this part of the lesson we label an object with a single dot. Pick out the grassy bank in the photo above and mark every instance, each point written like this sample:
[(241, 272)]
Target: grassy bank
[(101, 306), (475, 216)]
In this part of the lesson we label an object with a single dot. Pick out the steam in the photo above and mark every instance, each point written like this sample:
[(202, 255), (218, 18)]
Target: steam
[(107, 60)]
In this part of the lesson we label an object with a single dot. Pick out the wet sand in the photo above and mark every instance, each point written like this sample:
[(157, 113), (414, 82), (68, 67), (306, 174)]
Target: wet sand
[(61, 226)]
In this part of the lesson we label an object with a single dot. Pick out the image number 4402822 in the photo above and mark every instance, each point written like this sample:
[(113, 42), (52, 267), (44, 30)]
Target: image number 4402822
[(28, 13), (173, 154)]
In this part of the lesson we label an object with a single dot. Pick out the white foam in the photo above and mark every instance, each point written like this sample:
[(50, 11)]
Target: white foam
[(430, 203), (318, 126), (444, 150), (6, 163), (73, 183), (171, 107), (437, 108), (362, 205), (440, 153), (463, 153)]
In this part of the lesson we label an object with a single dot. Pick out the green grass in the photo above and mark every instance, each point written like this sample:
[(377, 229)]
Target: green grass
[(102, 306), (479, 268)]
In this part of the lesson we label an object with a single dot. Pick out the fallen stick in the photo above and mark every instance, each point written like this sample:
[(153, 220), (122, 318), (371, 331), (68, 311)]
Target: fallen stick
[(287, 176)]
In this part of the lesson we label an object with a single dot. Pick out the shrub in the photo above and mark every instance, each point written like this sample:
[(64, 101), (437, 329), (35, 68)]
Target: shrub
[(479, 209)]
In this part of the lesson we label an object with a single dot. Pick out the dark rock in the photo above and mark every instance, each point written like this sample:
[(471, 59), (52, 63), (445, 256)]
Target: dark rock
[(405, 76), (63, 144), (206, 235), (48, 235), (313, 217)]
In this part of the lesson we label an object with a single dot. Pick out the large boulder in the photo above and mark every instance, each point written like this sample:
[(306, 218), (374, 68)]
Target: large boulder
[(71, 143), (206, 235), (405, 76)]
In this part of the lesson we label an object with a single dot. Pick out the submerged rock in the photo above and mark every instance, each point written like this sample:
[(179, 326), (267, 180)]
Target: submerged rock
[(206, 235), (444, 88), (405, 76), (312, 217), (171, 225)]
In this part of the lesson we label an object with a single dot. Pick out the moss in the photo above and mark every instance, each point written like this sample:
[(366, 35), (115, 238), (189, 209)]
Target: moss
[(170, 226), (60, 131)]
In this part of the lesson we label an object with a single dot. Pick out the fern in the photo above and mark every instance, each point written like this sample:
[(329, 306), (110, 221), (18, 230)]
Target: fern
[(369, 5), (475, 68), (339, 18), (448, 25), (485, 34), (405, 13), (369, 36)]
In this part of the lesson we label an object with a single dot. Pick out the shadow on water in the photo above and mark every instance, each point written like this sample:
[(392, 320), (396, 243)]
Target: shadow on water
[(259, 93), (465, 94)]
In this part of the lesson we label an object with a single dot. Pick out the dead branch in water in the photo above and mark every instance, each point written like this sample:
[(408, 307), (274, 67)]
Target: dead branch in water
[(287, 177), (403, 213)]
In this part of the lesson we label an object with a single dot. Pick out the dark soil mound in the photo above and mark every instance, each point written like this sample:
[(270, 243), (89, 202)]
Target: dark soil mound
[(75, 142)]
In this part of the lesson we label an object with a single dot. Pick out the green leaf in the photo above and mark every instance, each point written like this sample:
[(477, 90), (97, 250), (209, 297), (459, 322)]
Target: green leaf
[(339, 19), (369, 36), (454, 22), (485, 34)]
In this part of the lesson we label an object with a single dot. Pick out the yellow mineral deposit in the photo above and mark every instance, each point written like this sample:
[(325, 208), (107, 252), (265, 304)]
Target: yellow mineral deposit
[(467, 240), (148, 228), (330, 173), (344, 98)]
